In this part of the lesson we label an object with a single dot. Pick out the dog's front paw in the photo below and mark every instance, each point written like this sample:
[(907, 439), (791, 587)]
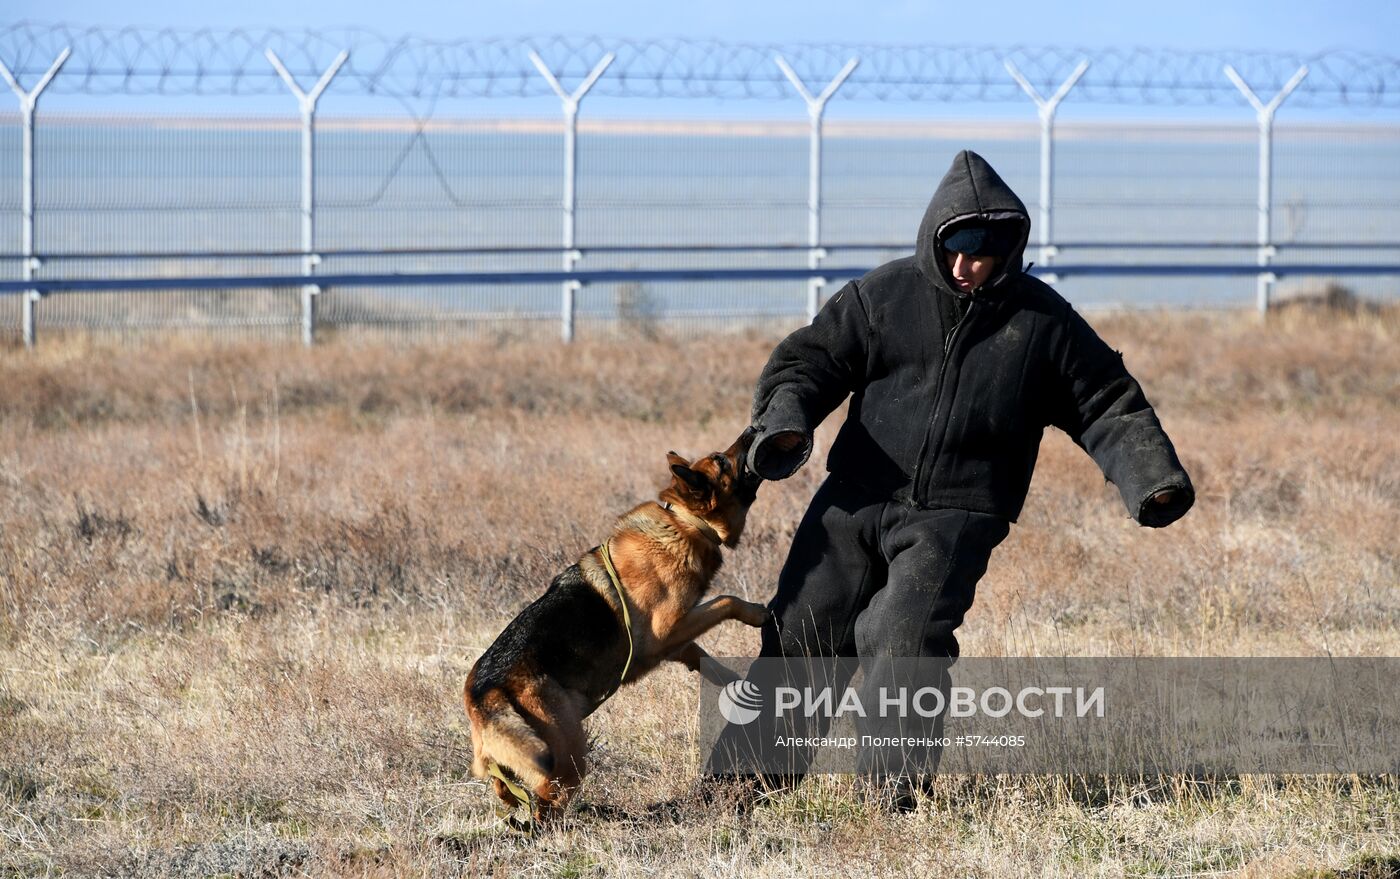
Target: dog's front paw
[(756, 614)]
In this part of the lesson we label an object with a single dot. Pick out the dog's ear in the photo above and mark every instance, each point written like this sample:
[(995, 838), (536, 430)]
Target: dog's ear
[(675, 459), (693, 479)]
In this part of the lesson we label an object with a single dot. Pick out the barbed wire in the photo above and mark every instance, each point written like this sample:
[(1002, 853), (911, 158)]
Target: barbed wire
[(140, 61)]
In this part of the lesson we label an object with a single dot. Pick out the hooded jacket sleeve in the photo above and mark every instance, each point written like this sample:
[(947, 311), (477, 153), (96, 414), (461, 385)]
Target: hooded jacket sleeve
[(1103, 409), (808, 374)]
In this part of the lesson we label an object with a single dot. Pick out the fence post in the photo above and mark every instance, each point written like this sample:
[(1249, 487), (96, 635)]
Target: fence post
[(28, 101), (571, 103), (816, 109), (310, 259), (1264, 113), (1047, 108)]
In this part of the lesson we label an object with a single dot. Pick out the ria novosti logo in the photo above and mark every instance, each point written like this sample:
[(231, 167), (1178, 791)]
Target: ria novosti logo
[(740, 701)]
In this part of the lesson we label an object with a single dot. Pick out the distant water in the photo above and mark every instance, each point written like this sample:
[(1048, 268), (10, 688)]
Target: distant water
[(171, 185)]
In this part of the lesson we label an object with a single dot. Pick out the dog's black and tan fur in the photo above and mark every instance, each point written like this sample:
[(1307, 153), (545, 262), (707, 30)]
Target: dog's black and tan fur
[(563, 656)]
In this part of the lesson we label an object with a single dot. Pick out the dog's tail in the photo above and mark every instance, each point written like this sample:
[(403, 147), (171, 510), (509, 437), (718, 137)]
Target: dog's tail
[(502, 739)]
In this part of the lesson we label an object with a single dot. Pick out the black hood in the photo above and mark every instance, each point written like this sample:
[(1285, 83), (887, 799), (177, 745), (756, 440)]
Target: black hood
[(970, 190)]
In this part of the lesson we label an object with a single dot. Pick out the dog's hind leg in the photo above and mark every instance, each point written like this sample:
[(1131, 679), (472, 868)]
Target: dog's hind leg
[(503, 740), (569, 746), (560, 713)]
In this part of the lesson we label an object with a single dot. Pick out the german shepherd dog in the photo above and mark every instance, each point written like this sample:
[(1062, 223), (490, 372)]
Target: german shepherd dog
[(566, 653)]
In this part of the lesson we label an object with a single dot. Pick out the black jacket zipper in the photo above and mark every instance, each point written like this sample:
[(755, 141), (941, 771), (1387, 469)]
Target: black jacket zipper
[(917, 493)]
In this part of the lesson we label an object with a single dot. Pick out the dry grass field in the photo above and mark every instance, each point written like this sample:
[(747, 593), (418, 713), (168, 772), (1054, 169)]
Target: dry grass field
[(240, 587)]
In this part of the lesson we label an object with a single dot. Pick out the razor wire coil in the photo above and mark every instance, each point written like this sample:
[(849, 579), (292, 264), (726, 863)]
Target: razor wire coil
[(141, 61)]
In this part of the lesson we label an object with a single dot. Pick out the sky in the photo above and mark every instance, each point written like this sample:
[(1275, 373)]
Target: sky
[(1297, 26)]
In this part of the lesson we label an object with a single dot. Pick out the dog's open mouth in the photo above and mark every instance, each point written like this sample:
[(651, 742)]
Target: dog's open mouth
[(747, 495), (747, 488), (748, 481)]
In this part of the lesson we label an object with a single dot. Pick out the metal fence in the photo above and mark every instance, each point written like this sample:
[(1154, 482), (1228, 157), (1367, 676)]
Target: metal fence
[(435, 220)]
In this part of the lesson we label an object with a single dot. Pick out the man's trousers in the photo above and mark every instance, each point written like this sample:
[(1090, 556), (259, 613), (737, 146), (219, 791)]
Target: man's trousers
[(874, 577), (877, 579)]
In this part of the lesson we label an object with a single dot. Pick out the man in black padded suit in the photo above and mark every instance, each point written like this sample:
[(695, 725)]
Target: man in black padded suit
[(955, 360)]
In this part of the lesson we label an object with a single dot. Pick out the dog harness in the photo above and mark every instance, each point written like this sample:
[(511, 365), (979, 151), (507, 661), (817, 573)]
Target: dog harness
[(626, 617), (700, 525)]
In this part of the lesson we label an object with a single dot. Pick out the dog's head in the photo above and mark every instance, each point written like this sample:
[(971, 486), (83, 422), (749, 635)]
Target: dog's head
[(718, 487)]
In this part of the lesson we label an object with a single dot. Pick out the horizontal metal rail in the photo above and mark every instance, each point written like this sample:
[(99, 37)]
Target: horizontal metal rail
[(509, 250), (421, 279)]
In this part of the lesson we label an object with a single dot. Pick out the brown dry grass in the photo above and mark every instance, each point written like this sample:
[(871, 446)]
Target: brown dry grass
[(240, 587)]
